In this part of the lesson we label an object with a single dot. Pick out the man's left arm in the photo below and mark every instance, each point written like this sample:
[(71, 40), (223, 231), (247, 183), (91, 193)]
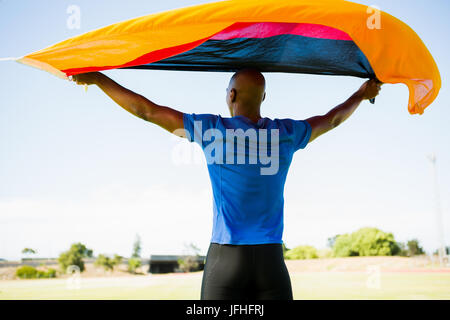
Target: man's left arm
[(165, 117), (332, 119)]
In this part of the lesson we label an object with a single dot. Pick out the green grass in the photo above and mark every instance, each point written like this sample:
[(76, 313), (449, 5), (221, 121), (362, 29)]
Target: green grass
[(317, 285), (352, 285)]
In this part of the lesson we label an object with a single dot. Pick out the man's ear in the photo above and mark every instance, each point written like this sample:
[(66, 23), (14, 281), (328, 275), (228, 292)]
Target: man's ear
[(264, 96), (233, 95)]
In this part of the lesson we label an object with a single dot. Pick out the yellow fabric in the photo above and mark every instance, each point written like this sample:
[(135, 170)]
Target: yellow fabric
[(395, 52)]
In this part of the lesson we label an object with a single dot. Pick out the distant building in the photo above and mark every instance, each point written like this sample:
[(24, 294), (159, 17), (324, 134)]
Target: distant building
[(38, 261), (168, 264)]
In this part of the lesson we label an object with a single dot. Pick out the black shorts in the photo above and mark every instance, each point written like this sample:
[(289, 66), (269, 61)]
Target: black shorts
[(245, 272)]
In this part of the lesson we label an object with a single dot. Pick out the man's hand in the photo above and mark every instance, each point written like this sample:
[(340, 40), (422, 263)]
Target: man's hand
[(324, 123), (86, 78), (370, 89)]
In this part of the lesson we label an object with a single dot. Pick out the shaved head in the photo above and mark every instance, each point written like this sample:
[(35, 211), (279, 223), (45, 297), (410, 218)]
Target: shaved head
[(247, 88), (248, 77)]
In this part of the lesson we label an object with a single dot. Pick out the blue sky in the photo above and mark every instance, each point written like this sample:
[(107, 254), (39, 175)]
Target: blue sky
[(76, 167)]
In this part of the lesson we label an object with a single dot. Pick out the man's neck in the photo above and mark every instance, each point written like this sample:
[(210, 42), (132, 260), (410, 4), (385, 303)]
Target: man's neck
[(252, 116)]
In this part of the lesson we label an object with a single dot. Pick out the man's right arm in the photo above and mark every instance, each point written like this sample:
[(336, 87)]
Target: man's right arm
[(138, 105), (324, 123)]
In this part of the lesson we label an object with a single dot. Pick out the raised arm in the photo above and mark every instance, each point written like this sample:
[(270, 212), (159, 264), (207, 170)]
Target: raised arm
[(141, 107), (337, 115)]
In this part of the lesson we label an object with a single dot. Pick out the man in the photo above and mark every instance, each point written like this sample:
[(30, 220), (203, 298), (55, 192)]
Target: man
[(245, 257)]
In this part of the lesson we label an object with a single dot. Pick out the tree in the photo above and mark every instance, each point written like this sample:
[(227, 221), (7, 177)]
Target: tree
[(403, 251), (117, 259), (28, 251), (285, 249), (366, 242), (26, 272), (105, 262), (446, 251), (191, 249), (108, 263), (74, 256), (29, 272), (414, 248), (133, 264), (189, 262), (136, 247), (82, 250), (302, 252), (135, 261), (331, 241), (343, 246)]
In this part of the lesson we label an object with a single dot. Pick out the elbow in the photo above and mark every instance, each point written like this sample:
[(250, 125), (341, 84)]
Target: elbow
[(142, 113), (147, 116), (143, 110), (335, 121), (332, 119)]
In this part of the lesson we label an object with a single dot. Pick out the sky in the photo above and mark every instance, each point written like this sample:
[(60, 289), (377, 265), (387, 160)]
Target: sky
[(75, 167)]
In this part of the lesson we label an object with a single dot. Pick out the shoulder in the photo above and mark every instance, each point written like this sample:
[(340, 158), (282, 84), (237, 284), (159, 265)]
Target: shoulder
[(293, 124), (200, 116), (204, 118), (286, 124), (298, 130)]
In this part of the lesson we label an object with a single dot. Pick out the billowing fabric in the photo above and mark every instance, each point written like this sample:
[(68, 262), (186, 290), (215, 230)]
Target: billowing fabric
[(332, 37), (247, 164)]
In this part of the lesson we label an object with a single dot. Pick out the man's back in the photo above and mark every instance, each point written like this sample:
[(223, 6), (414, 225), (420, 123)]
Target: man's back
[(247, 163)]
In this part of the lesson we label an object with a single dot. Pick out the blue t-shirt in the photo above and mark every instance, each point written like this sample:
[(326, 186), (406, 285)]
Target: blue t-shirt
[(247, 163)]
